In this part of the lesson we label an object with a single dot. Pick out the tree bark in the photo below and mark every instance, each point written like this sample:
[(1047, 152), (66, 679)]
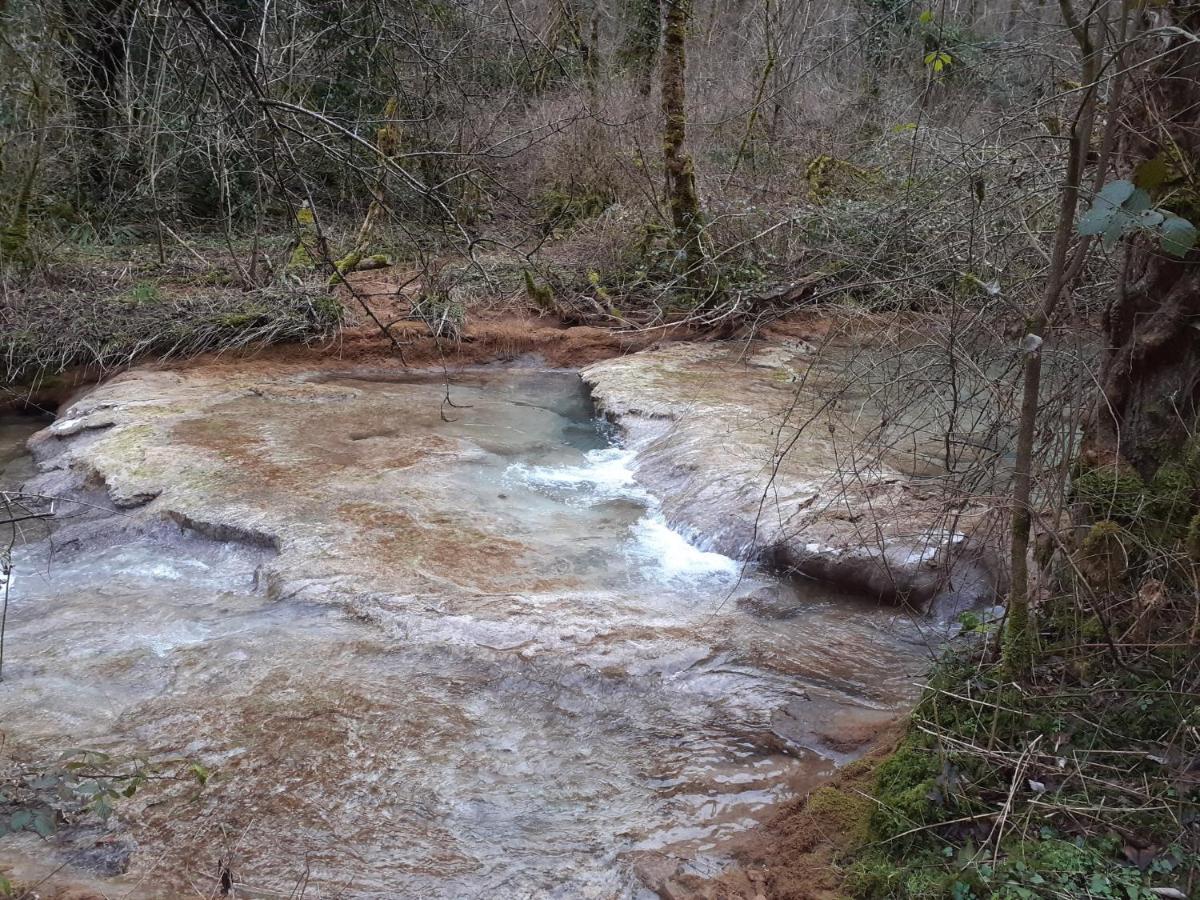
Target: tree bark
[(1149, 397), (1017, 643), (641, 43), (97, 32), (681, 175)]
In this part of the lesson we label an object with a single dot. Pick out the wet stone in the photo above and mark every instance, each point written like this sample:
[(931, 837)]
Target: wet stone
[(770, 602), (425, 651)]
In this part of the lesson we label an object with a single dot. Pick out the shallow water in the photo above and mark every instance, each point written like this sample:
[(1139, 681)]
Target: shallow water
[(608, 697)]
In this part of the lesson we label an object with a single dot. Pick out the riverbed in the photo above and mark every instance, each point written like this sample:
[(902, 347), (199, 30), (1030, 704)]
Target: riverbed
[(432, 638)]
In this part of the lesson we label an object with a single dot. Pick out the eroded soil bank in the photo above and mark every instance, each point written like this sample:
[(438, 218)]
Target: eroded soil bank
[(435, 642)]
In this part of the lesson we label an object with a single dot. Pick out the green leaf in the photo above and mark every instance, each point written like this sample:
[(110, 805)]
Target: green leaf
[(925, 17), (1096, 220), (1138, 201), (1116, 192), (1116, 228), (938, 59), (88, 789), (20, 820), (1178, 235), (43, 823)]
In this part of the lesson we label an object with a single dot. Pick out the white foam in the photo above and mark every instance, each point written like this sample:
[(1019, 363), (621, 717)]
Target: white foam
[(661, 553), (605, 475), (667, 554)]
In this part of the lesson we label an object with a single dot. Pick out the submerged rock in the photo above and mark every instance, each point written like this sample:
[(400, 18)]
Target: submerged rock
[(770, 453), (769, 602)]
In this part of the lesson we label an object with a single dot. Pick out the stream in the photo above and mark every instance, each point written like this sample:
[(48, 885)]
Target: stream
[(473, 660)]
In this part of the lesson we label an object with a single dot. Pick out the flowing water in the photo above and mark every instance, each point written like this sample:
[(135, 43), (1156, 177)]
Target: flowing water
[(624, 694)]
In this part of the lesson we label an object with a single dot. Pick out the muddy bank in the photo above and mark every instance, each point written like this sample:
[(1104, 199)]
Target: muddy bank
[(489, 337), (768, 451)]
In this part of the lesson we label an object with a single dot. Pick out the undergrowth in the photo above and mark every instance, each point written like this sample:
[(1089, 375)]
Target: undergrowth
[(1083, 783), (87, 316)]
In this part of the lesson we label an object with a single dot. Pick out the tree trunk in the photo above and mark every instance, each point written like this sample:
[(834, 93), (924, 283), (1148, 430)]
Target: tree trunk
[(641, 43), (96, 30), (1150, 375), (1017, 644), (681, 174), (387, 143)]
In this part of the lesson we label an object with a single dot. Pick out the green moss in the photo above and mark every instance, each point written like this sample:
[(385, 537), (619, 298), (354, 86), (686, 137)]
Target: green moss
[(1140, 525), (848, 813), (878, 876), (301, 259), (1192, 539), (1171, 500), (904, 786), (873, 877), (242, 319), (357, 261), (924, 838), (1103, 557), (328, 308), (541, 294), (145, 292), (347, 263), (1092, 629), (828, 176), (563, 207), (1114, 492), (14, 241), (308, 242), (217, 278)]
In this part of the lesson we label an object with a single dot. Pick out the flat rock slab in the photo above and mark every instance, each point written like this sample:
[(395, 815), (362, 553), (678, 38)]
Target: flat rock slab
[(429, 649), (770, 452), (340, 482)]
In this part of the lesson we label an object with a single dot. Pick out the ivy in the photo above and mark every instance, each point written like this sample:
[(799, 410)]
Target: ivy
[(938, 60), (1122, 208), (83, 782)]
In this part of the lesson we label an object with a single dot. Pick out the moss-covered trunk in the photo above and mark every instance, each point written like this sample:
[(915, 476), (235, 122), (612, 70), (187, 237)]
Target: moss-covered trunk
[(640, 48), (681, 174), (1150, 377), (387, 142)]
